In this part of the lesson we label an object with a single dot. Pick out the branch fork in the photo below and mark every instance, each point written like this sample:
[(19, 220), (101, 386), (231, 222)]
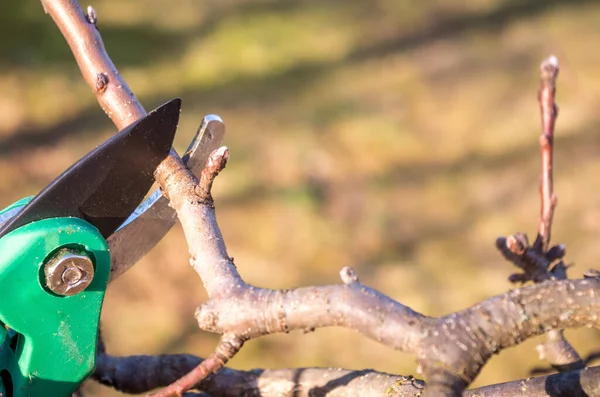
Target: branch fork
[(450, 350)]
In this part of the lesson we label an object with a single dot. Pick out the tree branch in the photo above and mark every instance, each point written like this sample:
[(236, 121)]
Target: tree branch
[(110, 89), (112, 93), (549, 111), (538, 262), (227, 348), (450, 350), (450, 353), (122, 373)]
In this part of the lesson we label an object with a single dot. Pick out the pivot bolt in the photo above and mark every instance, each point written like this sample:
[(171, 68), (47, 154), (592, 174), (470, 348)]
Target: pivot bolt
[(68, 272)]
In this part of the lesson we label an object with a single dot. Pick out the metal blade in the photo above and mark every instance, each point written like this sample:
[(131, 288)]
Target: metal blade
[(154, 217), (107, 184)]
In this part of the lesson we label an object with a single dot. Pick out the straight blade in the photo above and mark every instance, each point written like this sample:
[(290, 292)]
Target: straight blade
[(107, 184)]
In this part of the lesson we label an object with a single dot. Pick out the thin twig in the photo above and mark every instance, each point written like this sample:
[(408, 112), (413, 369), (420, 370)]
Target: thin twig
[(556, 350), (226, 349), (549, 110)]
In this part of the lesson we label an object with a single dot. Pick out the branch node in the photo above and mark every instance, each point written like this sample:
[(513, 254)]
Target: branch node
[(591, 273), (101, 82), (549, 69), (91, 15), (348, 275)]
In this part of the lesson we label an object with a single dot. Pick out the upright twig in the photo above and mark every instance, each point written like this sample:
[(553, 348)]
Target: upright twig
[(549, 111), (538, 261), (556, 350), (225, 350)]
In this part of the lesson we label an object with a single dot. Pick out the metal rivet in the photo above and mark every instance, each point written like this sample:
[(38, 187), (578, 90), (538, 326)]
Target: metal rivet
[(68, 272)]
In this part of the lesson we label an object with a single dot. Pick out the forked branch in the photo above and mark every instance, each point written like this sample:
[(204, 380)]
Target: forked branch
[(450, 350)]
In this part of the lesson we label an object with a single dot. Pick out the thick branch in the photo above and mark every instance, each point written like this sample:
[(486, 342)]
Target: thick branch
[(140, 374), (254, 312), (450, 350), (209, 255), (128, 373), (112, 93)]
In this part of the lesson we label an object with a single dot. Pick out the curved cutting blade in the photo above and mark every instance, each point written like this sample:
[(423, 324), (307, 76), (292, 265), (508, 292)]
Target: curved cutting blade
[(107, 184), (154, 217)]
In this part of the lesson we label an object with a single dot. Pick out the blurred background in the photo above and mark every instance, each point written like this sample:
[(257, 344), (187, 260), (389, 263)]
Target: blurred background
[(394, 136)]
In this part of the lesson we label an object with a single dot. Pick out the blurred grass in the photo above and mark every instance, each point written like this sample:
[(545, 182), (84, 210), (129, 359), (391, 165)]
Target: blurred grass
[(394, 136)]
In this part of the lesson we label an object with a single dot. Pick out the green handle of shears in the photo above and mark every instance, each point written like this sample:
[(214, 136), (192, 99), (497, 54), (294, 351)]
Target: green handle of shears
[(48, 342)]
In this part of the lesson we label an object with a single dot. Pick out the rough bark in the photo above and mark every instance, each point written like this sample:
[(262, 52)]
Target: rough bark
[(450, 350)]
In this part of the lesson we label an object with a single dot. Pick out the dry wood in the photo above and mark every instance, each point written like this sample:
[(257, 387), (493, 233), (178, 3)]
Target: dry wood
[(450, 350)]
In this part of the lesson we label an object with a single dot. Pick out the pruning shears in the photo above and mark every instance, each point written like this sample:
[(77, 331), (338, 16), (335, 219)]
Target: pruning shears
[(61, 248)]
